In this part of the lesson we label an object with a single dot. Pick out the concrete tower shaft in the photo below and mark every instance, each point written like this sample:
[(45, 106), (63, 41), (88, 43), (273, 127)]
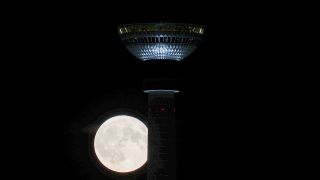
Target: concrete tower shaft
[(162, 135)]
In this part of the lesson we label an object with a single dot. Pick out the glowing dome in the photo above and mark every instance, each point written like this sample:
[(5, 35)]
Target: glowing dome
[(161, 41)]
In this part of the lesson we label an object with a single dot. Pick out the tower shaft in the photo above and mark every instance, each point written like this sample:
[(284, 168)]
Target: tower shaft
[(162, 135)]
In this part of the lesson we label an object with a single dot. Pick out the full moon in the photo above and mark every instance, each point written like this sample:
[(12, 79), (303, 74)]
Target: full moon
[(121, 143)]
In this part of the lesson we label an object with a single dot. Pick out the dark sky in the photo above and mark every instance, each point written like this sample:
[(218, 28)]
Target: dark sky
[(81, 70)]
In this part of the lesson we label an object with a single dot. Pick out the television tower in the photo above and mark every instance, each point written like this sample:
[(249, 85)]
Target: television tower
[(161, 42)]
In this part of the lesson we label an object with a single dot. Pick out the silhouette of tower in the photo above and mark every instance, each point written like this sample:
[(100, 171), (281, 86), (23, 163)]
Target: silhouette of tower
[(160, 42)]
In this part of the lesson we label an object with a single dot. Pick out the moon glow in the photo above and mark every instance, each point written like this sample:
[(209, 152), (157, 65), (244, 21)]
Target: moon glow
[(121, 143)]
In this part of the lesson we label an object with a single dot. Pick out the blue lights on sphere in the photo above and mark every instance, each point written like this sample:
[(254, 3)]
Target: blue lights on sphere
[(161, 41)]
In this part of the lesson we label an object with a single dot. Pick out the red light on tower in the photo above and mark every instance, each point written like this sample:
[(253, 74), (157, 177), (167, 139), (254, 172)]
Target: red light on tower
[(162, 109)]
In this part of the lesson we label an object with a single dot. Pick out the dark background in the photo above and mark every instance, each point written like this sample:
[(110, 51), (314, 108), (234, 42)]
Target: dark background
[(78, 70)]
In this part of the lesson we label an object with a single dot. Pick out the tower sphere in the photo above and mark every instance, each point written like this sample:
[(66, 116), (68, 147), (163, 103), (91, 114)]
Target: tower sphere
[(161, 41)]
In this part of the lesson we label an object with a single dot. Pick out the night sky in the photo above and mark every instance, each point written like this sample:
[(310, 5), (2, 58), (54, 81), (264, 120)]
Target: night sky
[(82, 70)]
